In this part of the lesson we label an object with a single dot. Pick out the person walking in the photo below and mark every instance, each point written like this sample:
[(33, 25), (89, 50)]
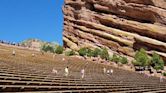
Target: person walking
[(14, 53), (33, 55), (111, 71), (82, 73), (161, 78), (54, 71), (104, 70), (53, 56), (108, 72), (63, 59), (66, 71)]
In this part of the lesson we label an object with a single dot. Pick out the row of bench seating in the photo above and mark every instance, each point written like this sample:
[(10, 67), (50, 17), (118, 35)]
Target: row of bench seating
[(24, 73)]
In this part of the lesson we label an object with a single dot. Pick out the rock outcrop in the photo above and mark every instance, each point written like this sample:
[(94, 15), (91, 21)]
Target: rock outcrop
[(123, 26)]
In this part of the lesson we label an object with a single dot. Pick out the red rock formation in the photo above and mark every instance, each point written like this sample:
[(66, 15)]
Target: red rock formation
[(120, 25)]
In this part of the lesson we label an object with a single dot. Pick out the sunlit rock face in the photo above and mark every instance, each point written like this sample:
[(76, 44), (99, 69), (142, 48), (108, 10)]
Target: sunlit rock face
[(120, 25)]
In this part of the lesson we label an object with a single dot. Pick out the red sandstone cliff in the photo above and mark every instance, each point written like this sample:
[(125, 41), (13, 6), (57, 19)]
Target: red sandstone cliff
[(120, 25)]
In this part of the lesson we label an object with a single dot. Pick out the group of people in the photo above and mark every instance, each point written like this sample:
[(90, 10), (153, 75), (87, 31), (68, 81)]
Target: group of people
[(108, 71), (14, 53), (151, 73), (9, 43), (82, 72), (66, 72)]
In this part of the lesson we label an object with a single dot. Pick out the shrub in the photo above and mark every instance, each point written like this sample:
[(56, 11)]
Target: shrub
[(96, 52), (70, 53), (164, 74), (157, 62), (47, 48), (90, 53), (141, 58), (123, 60), (83, 51), (104, 54), (59, 50), (136, 63), (115, 58), (43, 48)]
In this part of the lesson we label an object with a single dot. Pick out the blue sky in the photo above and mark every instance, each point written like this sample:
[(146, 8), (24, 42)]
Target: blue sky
[(24, 19)]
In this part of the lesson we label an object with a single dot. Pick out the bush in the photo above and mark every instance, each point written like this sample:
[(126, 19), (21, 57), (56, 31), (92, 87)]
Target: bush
[(47, 48), (141, 58), (83, 51), (70, 53), (123, 60), (120, 59), (164, 74), (157, 62), (58, 50), (96, 52), (104, 54), (90, 53), (115, 58)]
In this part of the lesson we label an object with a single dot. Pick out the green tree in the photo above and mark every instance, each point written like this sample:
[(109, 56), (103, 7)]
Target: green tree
[(83, 51), (59, 50), (115, 58), (70, 53), (164, 74), (86, 52), (157, 62), (90, 53), (47, 48), (141, 58), (123, 60), (104, 54), (96, 52)]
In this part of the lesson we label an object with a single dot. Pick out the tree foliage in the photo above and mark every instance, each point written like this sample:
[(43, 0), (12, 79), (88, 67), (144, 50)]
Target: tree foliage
[(104, 54), (120, 59), (83, 51), (96, 52), (164, 74), (47, 48), (70, 53), (141, 58), (123, 60), (157, 62), (52, 48), (58, 50), (115, 58)]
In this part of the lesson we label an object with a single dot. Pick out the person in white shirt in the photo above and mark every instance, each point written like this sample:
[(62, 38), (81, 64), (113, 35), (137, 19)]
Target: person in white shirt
[(82, 73), (14, 53), (66, 71), (108, 72), (54, 71), (33, 55), (53, 56), (63, 59), (104, 70), (161, 78), (111, 71)]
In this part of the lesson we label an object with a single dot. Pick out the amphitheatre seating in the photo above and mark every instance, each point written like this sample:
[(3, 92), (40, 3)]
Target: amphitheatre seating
[(24, 73)]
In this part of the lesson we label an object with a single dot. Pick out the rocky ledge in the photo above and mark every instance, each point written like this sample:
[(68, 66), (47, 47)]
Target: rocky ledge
[(123, 26)]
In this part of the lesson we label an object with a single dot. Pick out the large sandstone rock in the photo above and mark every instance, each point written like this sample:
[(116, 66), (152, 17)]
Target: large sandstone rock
[(157, 3), (123, 26)]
